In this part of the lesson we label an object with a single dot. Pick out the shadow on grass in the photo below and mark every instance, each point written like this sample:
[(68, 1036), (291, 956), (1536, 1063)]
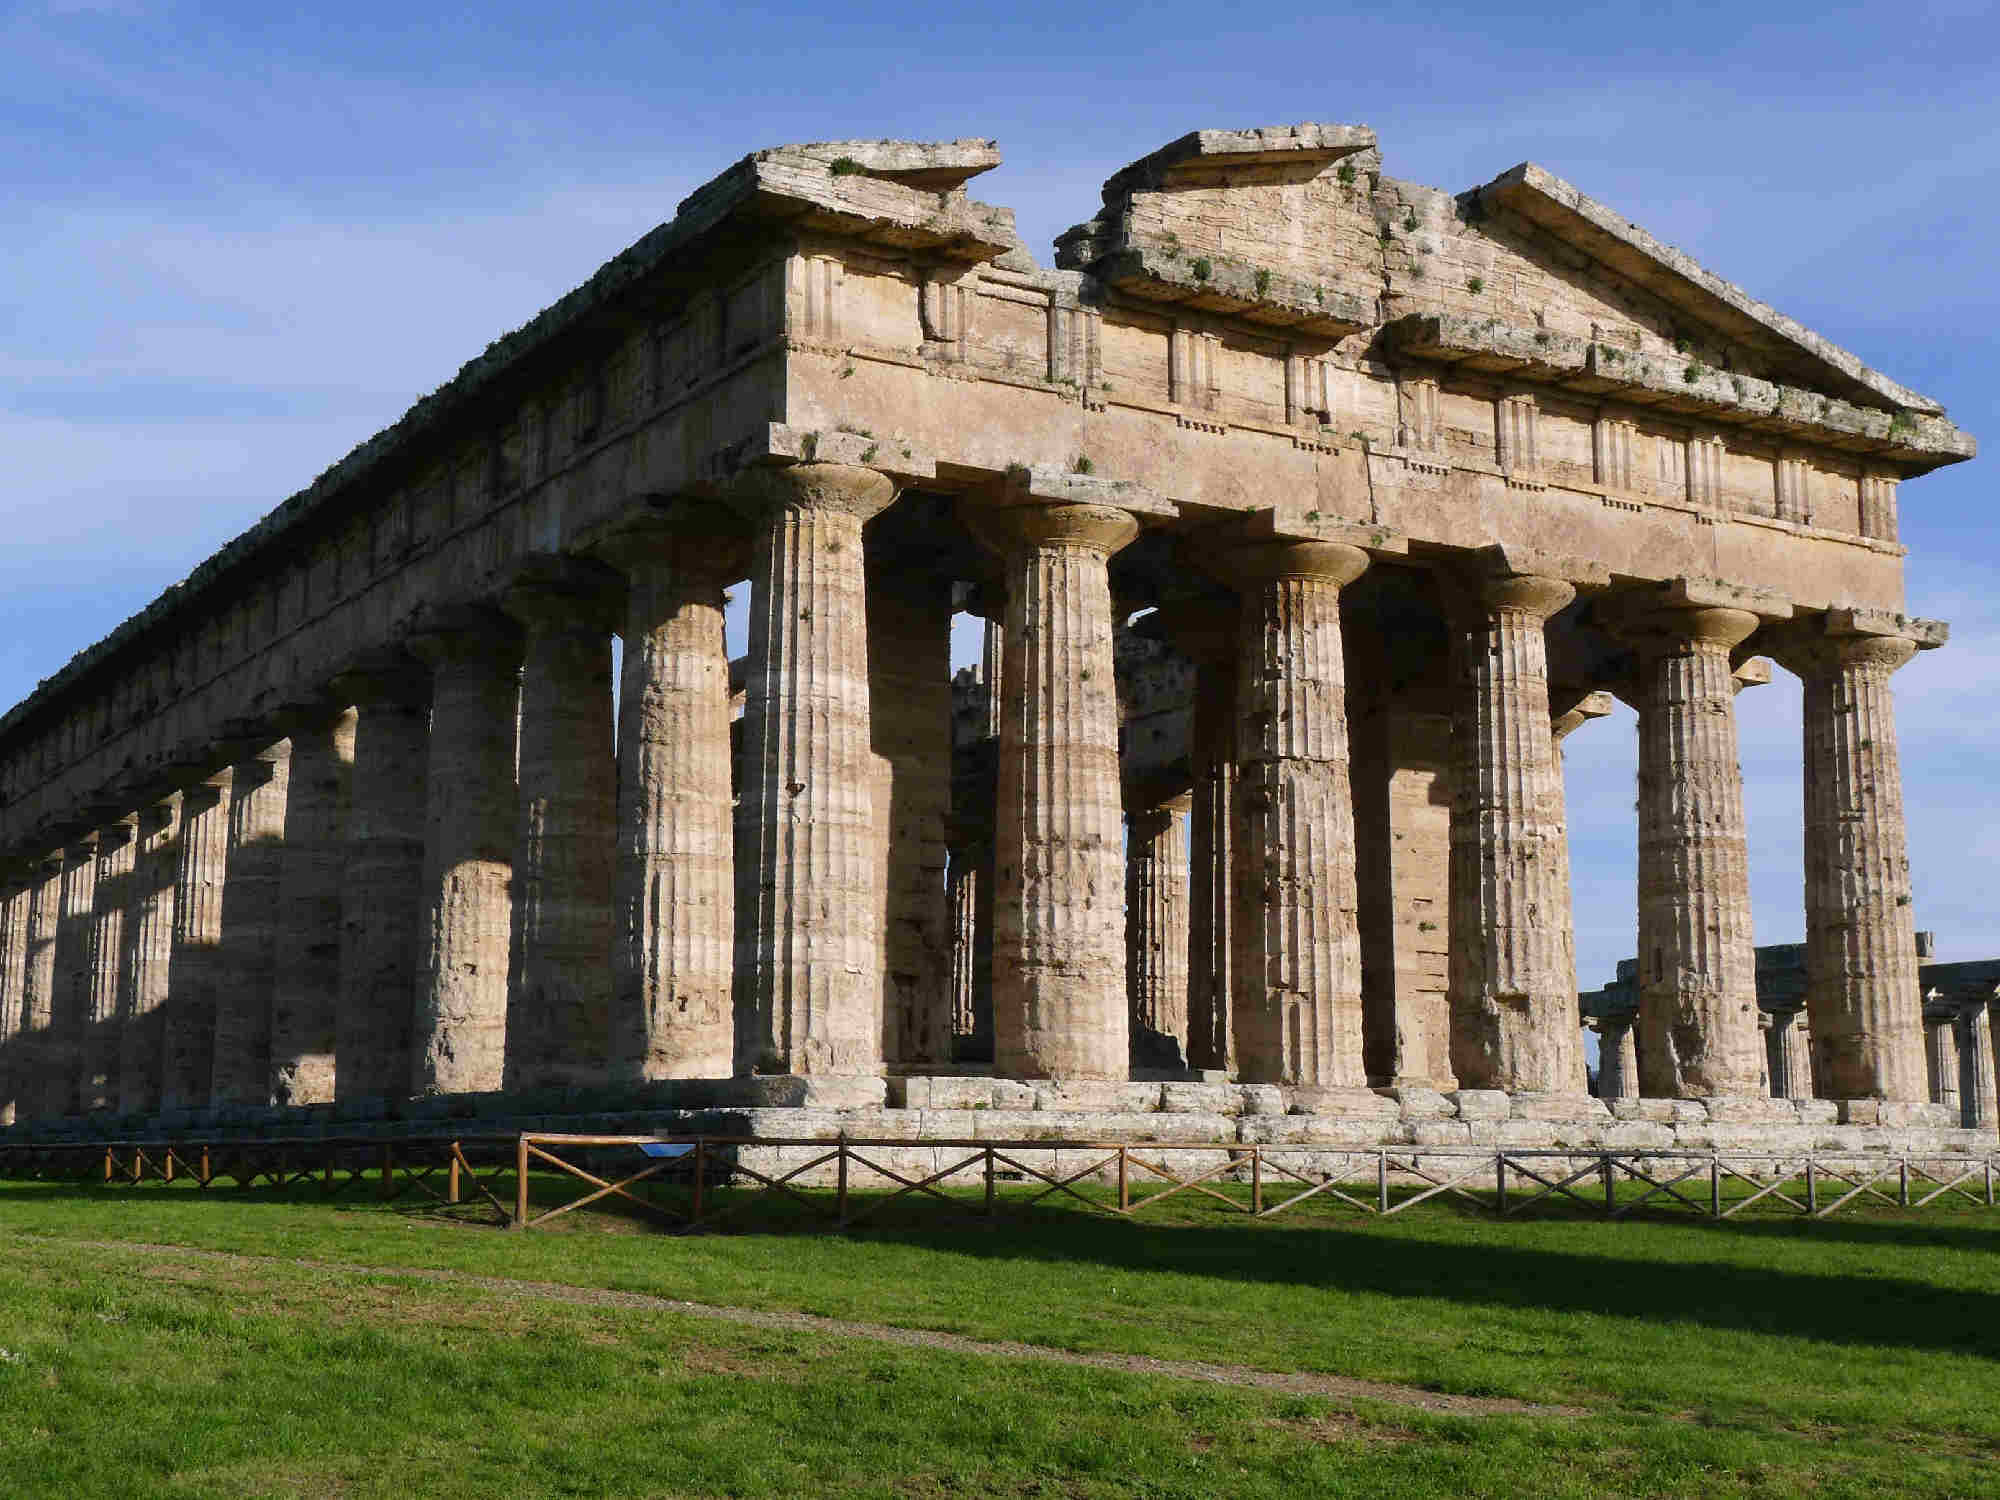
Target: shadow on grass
[(1457, 1257)]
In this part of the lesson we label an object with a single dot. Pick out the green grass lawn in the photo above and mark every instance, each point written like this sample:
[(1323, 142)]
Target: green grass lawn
[(1852, 1356)]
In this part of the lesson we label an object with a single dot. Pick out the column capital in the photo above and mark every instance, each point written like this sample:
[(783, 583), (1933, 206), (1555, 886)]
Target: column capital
[(848, 488), (694, 536), (550, 592), (466, 636), (1257, 563), (384, 679), (1818, 646), (1009, 529), (117, 833), (309, 714)]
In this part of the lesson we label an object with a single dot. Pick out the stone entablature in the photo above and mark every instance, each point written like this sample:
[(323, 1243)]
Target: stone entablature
[(1269, 390)]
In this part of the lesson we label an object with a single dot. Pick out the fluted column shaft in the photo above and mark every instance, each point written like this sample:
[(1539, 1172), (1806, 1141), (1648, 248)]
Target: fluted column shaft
[(1977, 1088), (909, 697), (458, 1040), (1862, 992), (1617, 1058), (1208, 633), (1156, 931), (259, 789), (1697, 967), (1512, 966), (1059, 1004), (149, 950), (1297, 1010), (305, 989), (673, 891), (109, 1005), (382, 896), (74, 973), (962, 891), (809, 914), (565, 857), (14, 902), (37, 1050), (194, 971)]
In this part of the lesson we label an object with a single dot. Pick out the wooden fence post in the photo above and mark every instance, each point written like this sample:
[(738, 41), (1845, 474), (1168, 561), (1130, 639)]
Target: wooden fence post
[(521, 1182)]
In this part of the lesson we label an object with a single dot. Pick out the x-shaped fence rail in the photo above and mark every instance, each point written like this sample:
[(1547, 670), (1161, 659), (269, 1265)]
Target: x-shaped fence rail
[(702, 1182)]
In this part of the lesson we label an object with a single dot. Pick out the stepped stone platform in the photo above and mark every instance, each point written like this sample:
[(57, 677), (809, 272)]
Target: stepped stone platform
[(927, 1110)]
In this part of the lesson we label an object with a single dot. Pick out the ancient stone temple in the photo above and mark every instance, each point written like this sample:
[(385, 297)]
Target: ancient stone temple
[(1385, 487)]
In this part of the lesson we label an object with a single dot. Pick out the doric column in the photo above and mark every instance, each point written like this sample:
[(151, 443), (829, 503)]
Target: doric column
[(673, 896), (305, 989), (1976, 1072), (15, 899), (1297, 1008), (1156, 931), (1207, 633), (1941, 1057), (258, 790), (1512, 966), (37, 1048), (458, 1038), (1697, 967), (382, 895), (194, 973), (1059, 1003), (909, 696), (69, 1018), (1790, 1077), (108, 1008), (1861, 949), (1617, 1058), (149, 951), (962, 891), (565, 855), (808, 914)]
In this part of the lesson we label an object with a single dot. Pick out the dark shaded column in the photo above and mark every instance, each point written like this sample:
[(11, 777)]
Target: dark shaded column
[(194, 971), (259, 787), (458, 1044), (382, 898), (108, 1007), (565, 857), (909, 694), (74, 973), (305, 990), (149, 951)]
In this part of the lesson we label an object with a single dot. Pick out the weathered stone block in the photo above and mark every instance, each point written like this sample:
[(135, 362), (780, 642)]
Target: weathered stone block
[(1200, 1098), (1364, 1104), (1440, 1133), (1526, 1106), (1737, 1109), (1860, 1111), (1422, 1103), (1261, 1098), (1637, 1135), (1659, 1111), (1323, 1130), (1481, 1104), (1817, 1111), (1102, 1097), (1689, 1112)]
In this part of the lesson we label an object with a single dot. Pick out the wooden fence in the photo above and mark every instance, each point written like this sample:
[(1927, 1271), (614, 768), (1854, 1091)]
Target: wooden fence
[(700, 1183)]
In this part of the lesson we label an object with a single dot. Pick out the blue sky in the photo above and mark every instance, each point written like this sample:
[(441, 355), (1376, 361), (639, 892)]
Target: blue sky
[(236, 242)]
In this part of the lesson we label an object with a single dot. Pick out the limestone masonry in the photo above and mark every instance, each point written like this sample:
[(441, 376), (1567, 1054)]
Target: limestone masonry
[(1310, 512)]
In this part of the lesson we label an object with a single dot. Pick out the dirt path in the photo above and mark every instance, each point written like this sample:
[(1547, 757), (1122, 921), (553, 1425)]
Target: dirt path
[(1339, 1387)]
